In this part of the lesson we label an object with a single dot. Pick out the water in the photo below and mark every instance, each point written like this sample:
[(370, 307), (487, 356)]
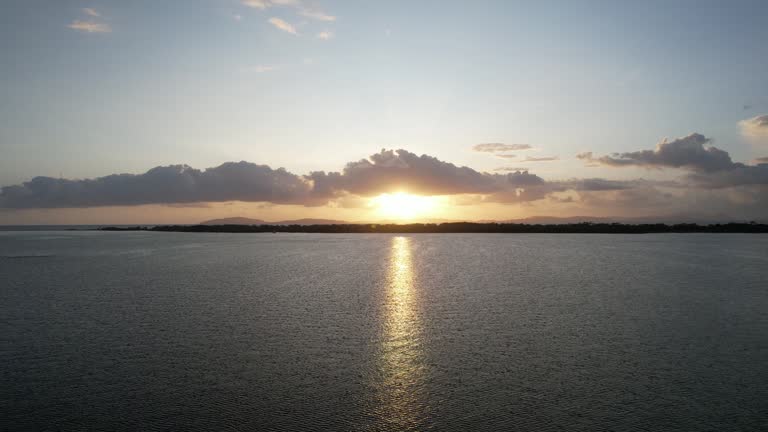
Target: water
[(159, 331)]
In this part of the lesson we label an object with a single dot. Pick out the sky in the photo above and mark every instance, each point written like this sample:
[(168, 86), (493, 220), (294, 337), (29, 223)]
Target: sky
[(183, 111)]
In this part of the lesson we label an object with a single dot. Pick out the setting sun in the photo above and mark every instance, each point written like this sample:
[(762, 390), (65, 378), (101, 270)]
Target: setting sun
[(404, 206)]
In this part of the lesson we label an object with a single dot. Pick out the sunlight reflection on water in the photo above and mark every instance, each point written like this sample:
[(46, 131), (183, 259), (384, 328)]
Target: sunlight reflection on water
[(402, 363)]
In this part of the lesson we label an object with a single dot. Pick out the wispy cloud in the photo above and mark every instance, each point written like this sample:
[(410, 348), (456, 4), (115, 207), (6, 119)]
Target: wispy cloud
[(540, 159), (506, 156), (316, 14), (257, 4), (499, 147), (302, 8), (283, 25), (325, 35), (513, 169), (90, 27)]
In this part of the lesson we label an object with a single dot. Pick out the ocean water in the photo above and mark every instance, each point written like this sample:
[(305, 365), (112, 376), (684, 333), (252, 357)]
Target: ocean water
[(176, 331)]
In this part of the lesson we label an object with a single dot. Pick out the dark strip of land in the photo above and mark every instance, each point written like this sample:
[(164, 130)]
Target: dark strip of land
[(464, 227)]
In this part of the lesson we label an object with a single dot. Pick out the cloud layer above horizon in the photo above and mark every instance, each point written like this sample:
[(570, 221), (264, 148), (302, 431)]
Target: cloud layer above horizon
[(706, 172)]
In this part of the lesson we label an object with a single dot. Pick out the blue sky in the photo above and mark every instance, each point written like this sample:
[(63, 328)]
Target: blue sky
[(202, 82)]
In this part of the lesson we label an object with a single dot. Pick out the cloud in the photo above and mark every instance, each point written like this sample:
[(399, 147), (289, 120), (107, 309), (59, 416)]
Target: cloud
[(391, 170), (302, 8), (755, 127), (510, 169), (499, 147), (282, 25), (383, 172), (91, 12), (599, 184), (264, 4), (400, 170), (760, 160), (506, 156), (316, 14), (325, 35), (90, 27), (708, 167), (257, 4), (540, 159), (172, 184), (742, 187), (737, 175), (686, 152)]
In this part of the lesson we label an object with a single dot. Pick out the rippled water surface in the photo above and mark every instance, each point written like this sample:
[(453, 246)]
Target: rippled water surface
[(159, 331)]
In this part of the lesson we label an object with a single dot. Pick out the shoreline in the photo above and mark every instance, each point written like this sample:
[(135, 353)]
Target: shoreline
[(460, 228)]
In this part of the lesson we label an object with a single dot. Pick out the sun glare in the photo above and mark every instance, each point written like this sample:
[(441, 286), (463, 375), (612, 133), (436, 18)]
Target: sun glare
[(404, 206)]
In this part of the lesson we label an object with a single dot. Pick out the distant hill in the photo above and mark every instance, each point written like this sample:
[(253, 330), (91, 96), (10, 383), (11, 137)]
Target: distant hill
[(234, 221), (249, 221)]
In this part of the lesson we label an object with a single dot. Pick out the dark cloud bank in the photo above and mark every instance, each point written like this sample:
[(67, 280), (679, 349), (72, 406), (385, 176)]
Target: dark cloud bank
[(707, 166), (707, 169), (383, 172)]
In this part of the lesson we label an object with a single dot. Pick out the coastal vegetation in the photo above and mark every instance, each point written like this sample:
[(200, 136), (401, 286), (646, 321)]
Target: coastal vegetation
[(464, 227)]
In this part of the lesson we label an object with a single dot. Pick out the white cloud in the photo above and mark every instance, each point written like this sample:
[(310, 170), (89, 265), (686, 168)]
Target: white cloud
[(257, 4), (316, 14), (90, 27), (237, 17), (303, 9), (282, 25), (91, 12), (755, 127), (325, 35)]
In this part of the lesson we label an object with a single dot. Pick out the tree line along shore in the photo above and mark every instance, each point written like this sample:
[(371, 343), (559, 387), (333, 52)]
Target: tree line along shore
[(463, 227)]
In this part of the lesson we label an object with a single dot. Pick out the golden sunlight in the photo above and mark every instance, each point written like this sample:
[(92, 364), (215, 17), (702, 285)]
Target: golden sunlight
[(401, 359), (405, 206)]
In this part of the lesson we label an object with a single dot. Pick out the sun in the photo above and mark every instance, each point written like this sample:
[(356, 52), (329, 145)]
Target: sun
[(404, 206)]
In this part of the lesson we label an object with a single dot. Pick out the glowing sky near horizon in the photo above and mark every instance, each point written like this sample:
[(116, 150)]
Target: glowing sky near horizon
[(99, 87)]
